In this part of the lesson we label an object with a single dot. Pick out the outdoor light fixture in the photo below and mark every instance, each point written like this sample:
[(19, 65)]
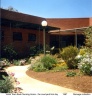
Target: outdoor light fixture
[(44, 24)]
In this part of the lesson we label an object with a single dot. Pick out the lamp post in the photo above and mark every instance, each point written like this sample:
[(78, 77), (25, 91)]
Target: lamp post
[(44, 24)]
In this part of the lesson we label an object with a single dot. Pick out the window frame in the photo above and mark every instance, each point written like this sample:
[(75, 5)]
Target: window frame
[(17, 36), (2, 35), (31, 37)]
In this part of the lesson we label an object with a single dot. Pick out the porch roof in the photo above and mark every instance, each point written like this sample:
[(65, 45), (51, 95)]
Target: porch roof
[(25, 25), (68, 31)]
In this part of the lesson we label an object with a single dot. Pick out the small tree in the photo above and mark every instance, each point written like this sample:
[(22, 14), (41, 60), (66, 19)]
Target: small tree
[(68, 55), (88, 37)]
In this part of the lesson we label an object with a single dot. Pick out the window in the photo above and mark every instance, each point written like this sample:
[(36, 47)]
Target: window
[(17, 36), (2, 35), (31, 37)]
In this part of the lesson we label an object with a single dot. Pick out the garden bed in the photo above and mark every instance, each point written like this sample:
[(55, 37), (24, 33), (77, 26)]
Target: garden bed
[(79, 83)]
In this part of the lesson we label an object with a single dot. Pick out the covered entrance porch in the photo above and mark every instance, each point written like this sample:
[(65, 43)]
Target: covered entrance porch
[(64, 38)]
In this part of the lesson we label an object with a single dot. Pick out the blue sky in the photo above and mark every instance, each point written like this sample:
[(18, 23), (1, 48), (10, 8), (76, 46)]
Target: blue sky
[(52, 8)]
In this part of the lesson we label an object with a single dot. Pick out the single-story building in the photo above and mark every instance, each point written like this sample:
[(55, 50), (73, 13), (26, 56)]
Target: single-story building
[(24, 31)]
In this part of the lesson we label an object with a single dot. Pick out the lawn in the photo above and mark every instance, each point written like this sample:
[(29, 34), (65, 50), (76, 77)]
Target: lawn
[(79, 83)]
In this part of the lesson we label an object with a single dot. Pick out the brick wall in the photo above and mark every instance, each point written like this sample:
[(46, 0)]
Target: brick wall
[(90, 20), (23, 46), (17, 16), (68, 23)]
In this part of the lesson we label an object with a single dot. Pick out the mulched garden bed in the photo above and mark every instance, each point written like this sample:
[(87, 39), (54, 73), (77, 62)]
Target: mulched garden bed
[(78, 83)]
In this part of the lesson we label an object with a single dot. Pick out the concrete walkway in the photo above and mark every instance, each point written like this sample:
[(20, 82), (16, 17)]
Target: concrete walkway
[(30, 85)]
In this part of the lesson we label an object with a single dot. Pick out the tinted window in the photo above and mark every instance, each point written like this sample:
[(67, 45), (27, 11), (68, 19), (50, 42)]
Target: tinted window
[(2, 35), (31, 37), (17, 36)]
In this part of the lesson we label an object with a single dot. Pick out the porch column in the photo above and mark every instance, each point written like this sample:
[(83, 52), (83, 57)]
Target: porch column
[(75, 37), (39, 39), (0, 41), (59, 39)]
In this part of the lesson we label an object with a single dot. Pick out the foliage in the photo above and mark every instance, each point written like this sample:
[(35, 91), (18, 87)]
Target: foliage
[(83, 50), (28, 60), (47, 47), (85, 64), (9, 52), (81, 53), (8, 84), (44, 63), (48, 61), (16, 62), (19, 62), (4, 62), (88, 37), (38, 67), (68, 54), (71, 74), (35, 50), (62, 66)]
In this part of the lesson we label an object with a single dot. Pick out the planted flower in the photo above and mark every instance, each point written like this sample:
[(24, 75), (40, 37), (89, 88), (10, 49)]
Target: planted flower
[(85, 64), (9, 84)]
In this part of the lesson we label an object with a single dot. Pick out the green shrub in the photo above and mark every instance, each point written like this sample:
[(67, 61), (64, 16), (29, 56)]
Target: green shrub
[(88, 38), (60, 68), (28, 60), (16, 62), (32, 50), (45, 63), (39, 67), (83, 51), (35, 50), (9, 52), (48, 61), (68, 54), (6, 86), (70, 74)]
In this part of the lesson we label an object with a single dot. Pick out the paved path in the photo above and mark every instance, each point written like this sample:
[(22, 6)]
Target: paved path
[(30, 85)]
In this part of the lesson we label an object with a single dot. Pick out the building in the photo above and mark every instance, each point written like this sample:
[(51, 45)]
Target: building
[(24, 31), (71, 31)]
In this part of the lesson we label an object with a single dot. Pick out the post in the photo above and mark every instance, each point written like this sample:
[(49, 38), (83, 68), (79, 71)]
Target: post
[(75, 38), (0, 42), (39, 39), (44, 45), (44, 24), (0, 38)]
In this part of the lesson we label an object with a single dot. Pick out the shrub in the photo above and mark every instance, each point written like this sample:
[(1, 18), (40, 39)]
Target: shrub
[(85, 64), (16, 62), (9, 52), (70, 74), (6, 86), (48, 61), (68, 54), (45, 63), (81, 54), (82, 51), (9, 84), (4, 62), (39, 67), (35, 50), (60, 68), (32, 51), (28, 60), (88, 37)]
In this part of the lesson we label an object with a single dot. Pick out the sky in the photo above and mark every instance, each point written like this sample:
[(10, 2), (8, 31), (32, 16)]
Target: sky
[(51, 8)]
